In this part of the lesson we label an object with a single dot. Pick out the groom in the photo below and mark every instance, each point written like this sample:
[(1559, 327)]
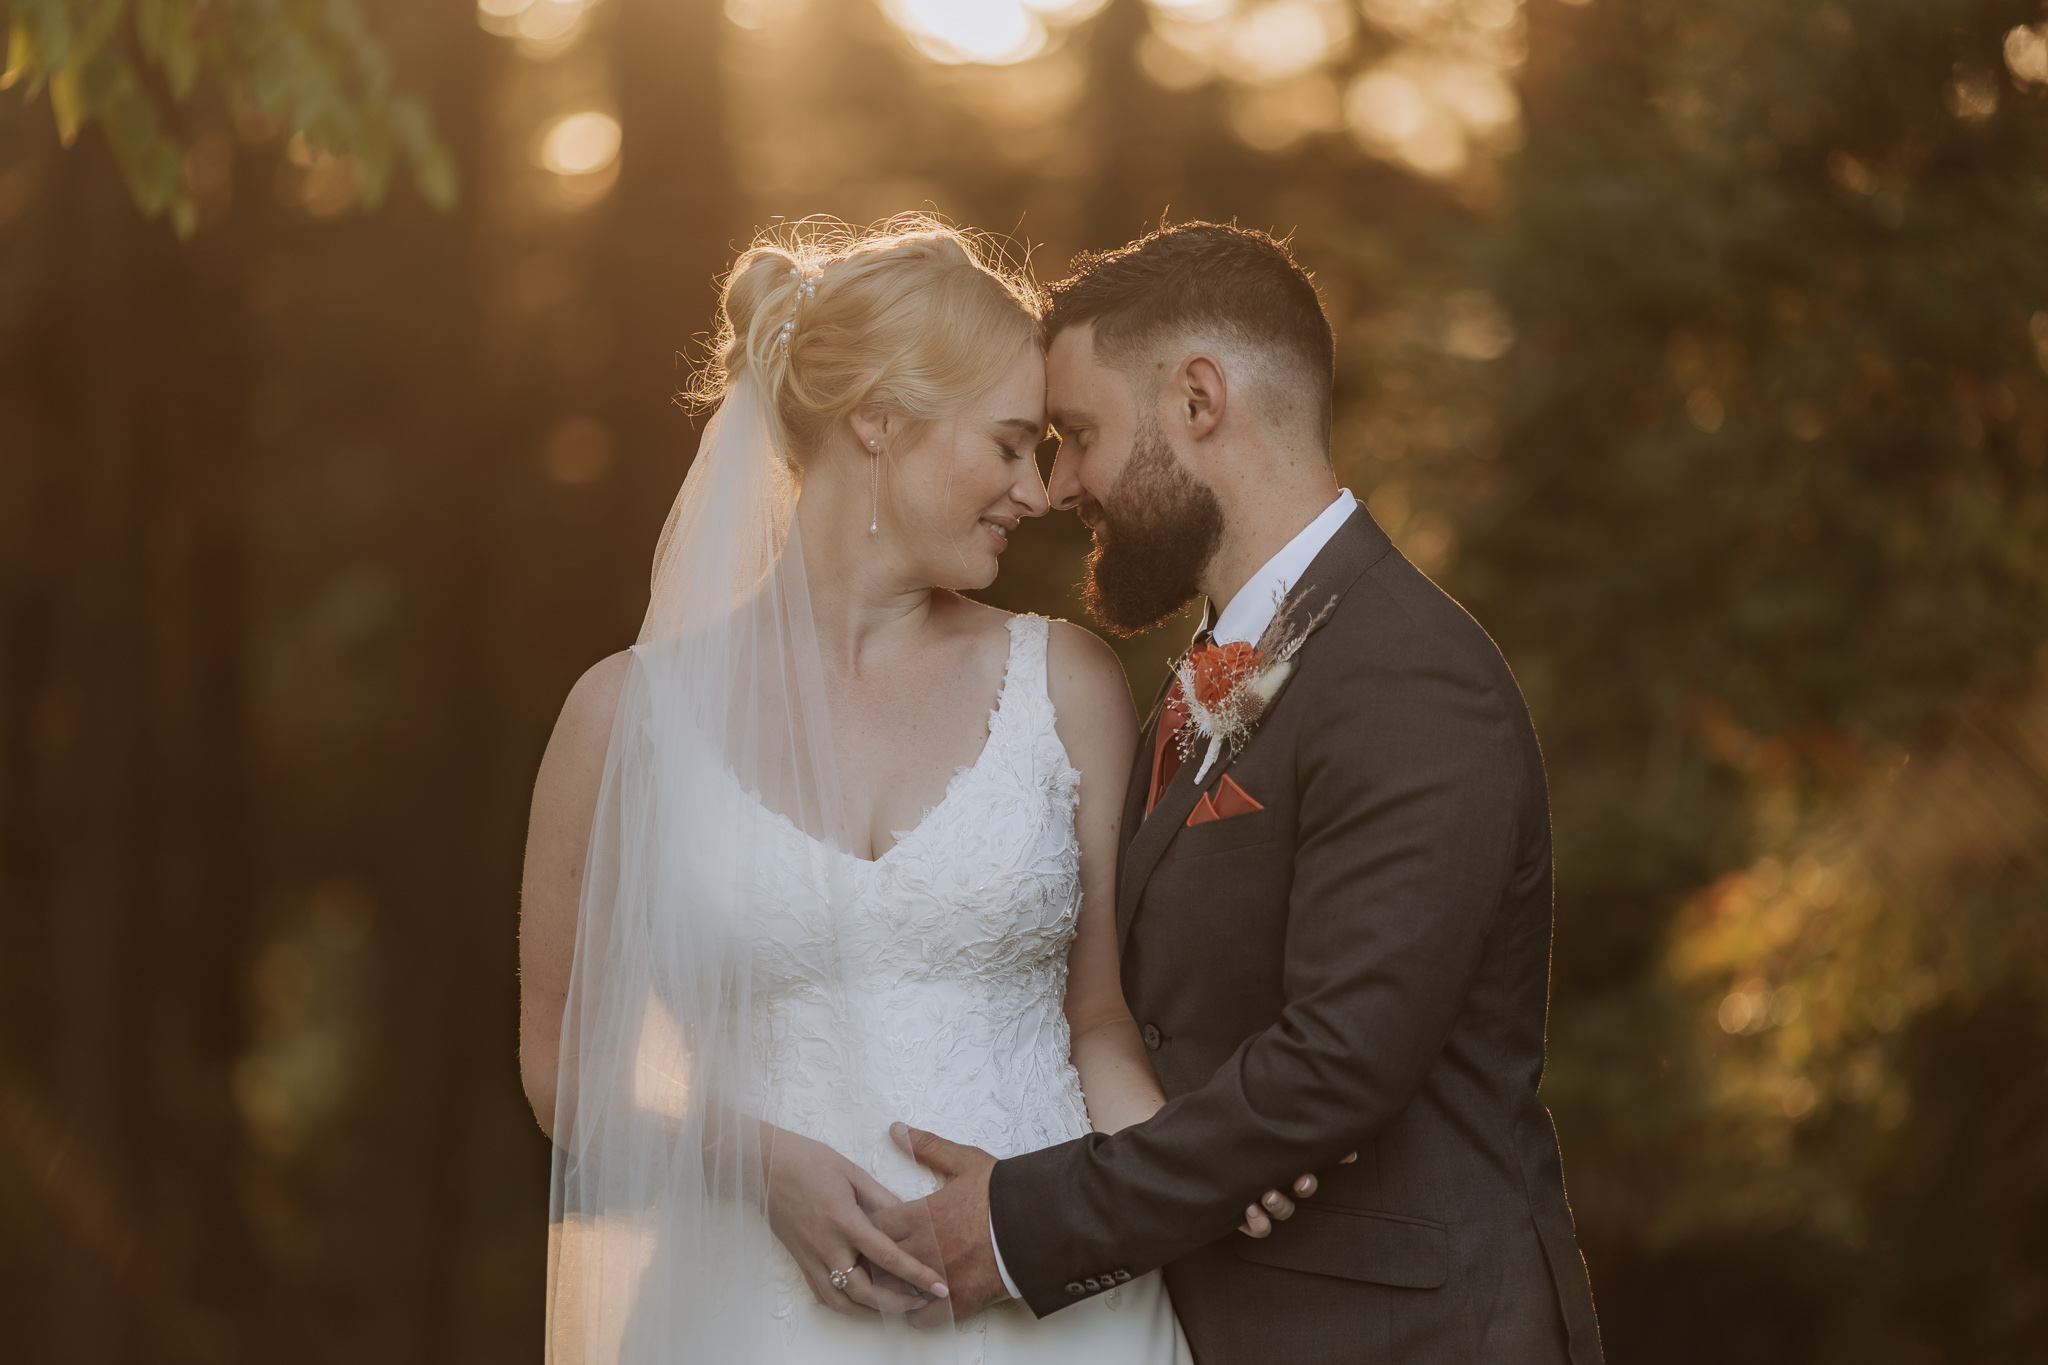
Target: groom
[(1334, 892)]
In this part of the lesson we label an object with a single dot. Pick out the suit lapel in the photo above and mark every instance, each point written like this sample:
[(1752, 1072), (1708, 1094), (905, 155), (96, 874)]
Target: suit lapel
[(1358, 545), (1151, 840), (1134, 795), (1134, 798)]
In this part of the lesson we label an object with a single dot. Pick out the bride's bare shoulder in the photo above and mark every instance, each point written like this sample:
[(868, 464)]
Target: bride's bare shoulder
[(1083, 675), (1079, 651), (583, 731), (1085, 678), (595, 696), (565, 793)]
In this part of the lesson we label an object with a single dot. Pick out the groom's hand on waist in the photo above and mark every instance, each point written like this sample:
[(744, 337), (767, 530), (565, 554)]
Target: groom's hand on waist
[(1275, 1207), (949, 1228)]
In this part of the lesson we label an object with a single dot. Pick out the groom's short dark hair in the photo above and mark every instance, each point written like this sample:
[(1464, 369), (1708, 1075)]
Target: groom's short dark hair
[(1193, 276)]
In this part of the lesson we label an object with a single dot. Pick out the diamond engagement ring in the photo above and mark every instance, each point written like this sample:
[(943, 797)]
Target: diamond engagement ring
[(839, 1278)]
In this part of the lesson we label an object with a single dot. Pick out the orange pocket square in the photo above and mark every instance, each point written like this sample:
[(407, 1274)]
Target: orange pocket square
[(1230, 799)]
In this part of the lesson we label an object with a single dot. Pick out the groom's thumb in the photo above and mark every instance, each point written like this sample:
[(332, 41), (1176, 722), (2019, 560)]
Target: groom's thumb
[(927, 1149)]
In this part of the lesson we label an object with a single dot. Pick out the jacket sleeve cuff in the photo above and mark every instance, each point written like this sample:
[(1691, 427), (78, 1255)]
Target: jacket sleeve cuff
[(1009, 1285)]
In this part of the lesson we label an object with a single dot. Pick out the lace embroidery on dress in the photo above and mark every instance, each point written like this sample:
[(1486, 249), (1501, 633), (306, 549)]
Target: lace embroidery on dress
[(940, 999)]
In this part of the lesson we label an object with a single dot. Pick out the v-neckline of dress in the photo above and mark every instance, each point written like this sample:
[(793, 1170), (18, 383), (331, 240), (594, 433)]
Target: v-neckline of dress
[(953, 784)]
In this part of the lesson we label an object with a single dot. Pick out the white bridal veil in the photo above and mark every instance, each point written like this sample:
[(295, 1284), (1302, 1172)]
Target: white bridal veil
[(719, 781)]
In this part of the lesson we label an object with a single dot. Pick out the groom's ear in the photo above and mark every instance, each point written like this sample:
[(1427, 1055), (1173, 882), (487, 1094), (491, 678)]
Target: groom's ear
[(1201, 393)]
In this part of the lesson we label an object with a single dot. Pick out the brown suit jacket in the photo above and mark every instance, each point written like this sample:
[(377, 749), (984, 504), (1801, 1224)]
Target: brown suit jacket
[(1362, 964)]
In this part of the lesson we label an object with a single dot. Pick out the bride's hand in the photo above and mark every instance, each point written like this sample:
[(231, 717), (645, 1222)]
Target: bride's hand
[(818, 1206), (1274, 1206)]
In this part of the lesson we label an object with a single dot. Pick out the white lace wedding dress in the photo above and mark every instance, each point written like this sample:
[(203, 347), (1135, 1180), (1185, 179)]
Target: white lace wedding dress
[(938, 1002)]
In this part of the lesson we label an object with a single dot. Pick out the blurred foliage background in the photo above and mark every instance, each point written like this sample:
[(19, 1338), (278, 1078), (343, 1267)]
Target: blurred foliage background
[(1699, 346)]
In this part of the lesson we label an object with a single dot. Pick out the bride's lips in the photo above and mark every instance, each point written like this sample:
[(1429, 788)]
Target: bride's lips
[(999, 529)]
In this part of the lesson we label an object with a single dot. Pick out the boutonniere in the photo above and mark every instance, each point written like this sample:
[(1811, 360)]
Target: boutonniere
[(1227, 688)]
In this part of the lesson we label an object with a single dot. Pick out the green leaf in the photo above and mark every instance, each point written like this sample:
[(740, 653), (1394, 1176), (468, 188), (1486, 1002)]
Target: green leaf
[(181, 55), (311, 67), (433, 173), (433, 169), (22, 59), (53, 31), (65, 103)]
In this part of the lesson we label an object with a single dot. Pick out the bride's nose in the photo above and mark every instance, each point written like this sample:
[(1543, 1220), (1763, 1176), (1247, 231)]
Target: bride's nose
[(1029, 494)]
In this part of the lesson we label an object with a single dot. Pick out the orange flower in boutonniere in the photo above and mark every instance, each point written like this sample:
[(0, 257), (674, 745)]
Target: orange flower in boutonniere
[(1226, 688), (1222, 669)]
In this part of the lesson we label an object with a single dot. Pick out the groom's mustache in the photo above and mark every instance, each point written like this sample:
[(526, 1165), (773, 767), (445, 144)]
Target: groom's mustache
[(1092, 515)]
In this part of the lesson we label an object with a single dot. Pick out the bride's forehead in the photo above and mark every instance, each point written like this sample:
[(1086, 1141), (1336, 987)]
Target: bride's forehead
[(1019, 396)]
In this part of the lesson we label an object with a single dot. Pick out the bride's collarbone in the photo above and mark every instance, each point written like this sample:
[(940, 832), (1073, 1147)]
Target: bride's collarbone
[(906, 731)]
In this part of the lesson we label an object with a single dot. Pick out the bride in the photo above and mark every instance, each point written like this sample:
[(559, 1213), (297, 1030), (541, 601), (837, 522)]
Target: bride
[(832, 847)]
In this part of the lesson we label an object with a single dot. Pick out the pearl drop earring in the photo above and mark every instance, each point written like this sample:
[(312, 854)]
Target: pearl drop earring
[(875, 490)]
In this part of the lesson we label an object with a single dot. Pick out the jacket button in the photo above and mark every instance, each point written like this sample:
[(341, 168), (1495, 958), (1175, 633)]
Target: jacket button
[(1122, 1276), (1152, 1039), (1074, 1288)]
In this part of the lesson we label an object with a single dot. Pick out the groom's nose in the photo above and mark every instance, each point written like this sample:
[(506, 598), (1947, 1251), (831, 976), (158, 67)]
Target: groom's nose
[(1064, 487)]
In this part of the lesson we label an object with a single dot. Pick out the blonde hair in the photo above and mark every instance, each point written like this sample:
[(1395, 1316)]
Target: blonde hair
[(912, 315)]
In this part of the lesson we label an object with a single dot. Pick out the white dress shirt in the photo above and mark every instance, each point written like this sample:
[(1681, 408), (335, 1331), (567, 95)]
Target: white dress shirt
[(1245, 617)]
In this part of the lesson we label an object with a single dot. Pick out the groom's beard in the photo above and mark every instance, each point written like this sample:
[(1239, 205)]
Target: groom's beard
[(1153, 538)]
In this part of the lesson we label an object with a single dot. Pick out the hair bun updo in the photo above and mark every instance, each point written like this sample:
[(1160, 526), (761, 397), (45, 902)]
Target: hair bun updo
[(911, 315)]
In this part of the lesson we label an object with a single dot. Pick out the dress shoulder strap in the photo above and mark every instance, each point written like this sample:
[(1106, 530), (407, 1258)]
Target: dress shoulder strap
[(1027, 655), (1024, 682), (1026, 713)]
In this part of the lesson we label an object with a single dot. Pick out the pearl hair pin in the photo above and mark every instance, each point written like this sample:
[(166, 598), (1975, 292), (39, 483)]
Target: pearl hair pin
[(806, 288)]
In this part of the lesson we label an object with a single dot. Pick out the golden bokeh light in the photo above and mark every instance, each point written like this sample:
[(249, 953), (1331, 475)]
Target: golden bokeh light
[(318, 181), (956, 32), (548, 21), (1285, 39), (1475, 327), (979, 32), (542, 27), (1430, 112), (1972, 97), (580, 144), (1067, 11), (2026, 54), (1194, 11), (1436, 102), (1273, 118), (1443, 20), (1253, 45)]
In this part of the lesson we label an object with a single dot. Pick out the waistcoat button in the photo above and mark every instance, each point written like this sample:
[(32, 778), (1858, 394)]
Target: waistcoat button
[(1152, 1037)]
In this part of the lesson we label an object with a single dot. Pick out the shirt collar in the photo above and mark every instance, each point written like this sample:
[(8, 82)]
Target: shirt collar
[(1246, 616)]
